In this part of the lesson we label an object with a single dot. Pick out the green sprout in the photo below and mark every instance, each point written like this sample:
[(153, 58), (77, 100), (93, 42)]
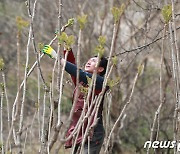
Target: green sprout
[(99, 49), (1, 64), (167, 13), (102, 40), (70, 22), (36, 104), (82, 20), (117, 12), (2, 86), (112, 83), (62, 38), (114, 60), (21, 23), (40, 46), (68, 40)]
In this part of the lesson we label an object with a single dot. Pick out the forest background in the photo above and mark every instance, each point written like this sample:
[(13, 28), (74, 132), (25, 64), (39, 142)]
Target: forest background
[(141, 39)]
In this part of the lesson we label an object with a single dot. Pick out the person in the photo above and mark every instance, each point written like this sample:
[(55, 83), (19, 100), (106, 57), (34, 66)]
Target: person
[(97, 137)]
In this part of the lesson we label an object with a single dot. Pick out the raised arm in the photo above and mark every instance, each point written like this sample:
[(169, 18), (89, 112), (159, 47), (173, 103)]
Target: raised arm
[(72, 70), (48, 50)]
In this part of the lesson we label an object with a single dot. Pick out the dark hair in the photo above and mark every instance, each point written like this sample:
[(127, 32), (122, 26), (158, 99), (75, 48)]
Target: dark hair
[(103, 63)]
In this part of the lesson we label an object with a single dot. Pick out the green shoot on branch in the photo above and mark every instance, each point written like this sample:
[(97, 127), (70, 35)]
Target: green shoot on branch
[(21, 23), (117, 12), (114, 60), (112, 83), (40, 46), (68, 40), (36, 104), (62, 38), (1, 64), (70, 22), (82, 20), (2, 86), (99, 49), (102, 40), (167, 13)]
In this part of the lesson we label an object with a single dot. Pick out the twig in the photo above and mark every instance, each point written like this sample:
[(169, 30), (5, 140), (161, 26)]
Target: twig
[(24, 147), (157, 113), (115, 30), (55, 136), (77, 83), (147, 9), (25, 79), (50, 116), (37, 57), (60, 5), (77, 88), (143, 46), (161, 81), (122, 112), (43, 132), (84, 115), (18, 92), (60, 91), (59, 123), (107, 113), (103, 18), (1, 123), (38, 102), (18, 67), (28, 129), (7, 100), (176, 72), (101, 95), (59, 87), (173, 57), (88, 105)]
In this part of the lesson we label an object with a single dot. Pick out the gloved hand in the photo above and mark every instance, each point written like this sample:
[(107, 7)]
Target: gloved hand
[(48, 50)]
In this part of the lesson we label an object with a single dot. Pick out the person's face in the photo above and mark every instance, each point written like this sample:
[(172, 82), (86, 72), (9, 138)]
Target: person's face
[(90, 66)]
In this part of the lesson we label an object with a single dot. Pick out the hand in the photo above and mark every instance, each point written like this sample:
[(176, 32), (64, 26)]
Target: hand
[(48, 50)]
